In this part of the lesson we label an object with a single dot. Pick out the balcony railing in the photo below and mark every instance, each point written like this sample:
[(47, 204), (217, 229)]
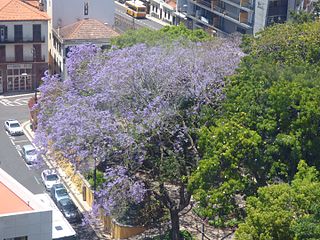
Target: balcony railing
[(24, 40), (233, 16), (25, 59)]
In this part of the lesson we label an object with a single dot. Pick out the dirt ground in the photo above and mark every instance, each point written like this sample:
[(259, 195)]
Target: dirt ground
[(191, 222)]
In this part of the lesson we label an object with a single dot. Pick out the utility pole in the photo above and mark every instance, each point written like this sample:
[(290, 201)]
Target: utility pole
[(133, 27)]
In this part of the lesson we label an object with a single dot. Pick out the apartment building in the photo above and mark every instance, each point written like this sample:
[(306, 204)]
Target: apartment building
[(86, 31), (65, 13), (244, 16), (22, 215), (23, 45)]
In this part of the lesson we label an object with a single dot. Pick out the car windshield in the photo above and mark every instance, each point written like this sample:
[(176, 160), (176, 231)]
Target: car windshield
[(31, 152), (52, 177), (70, 207), (62, 192), (14, 125)]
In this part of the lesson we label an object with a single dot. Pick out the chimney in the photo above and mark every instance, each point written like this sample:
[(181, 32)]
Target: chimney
[(41, 5)]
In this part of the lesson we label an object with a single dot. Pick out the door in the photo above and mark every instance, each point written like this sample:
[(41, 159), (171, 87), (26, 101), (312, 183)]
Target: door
[(1, 82), (18, 51), (2, 53)]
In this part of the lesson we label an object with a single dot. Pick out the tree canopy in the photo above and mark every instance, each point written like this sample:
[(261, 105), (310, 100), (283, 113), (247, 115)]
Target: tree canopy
[(165, 35), (268, 122), (136, 111), (285, 211)]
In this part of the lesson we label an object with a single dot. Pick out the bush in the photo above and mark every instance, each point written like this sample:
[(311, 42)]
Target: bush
[(185, 235), (90, 178)]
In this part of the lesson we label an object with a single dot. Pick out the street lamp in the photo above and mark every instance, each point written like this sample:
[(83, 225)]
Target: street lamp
[(95, 175)]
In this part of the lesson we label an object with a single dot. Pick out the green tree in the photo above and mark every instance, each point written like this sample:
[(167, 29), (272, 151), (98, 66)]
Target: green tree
[(165, 35), (221, 173), (287, 43), (284, 211), (268, 122)]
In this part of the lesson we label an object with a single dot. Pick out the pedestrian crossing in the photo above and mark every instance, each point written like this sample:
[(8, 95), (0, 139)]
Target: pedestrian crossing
[(14, 102)]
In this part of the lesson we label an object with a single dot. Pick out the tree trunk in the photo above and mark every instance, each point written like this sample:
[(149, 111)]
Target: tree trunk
[(175, 224)]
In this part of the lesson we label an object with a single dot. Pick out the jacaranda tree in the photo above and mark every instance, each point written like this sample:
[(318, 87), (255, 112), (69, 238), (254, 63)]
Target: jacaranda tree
[(135, 111)]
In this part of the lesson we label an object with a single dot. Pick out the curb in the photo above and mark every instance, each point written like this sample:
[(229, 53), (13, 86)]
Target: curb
[(66, 181)]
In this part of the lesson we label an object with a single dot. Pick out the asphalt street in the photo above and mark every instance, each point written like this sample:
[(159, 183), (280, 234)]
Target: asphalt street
[(124, 22), (15, 107)]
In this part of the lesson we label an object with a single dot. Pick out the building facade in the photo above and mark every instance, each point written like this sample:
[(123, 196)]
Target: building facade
[(86, 31), (22, 215), (64, 13), (163, 10), (244, 16), (23, 45)]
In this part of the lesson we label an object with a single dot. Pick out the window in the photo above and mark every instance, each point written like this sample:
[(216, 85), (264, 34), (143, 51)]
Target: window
[(18, 33), (37, 52), (86, 8), (36, 32), (3, 33), (18, 50)]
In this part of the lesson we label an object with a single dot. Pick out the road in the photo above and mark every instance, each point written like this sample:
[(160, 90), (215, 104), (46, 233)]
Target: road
[(15, 107), (125, 22)]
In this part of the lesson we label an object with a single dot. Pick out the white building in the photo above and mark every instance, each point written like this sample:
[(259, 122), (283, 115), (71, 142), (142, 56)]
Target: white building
[(64, 13), (86, 31), (22, 215), (164, 10)]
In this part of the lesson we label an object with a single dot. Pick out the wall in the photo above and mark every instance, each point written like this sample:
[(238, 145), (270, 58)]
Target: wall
[(119, 231), (27, 36), (72, 10), (35, 225), (260, 15)]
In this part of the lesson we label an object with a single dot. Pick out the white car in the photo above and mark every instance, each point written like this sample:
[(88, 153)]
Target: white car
[(29, 154), (13, 127), (49, 178)]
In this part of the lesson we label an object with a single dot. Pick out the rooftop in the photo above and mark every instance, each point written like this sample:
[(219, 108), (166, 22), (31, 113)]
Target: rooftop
[(18, 10), (87, 29), (15, 198), (10, 202)]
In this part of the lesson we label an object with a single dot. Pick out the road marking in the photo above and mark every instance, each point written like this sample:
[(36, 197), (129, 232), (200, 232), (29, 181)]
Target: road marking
[(36, 180), (12, 141), (18, 95), (21, 141)]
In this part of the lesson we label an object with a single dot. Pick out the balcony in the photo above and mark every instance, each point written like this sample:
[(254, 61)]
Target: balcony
[(25, 60), (231, 16), (24, 40), (242, 4)]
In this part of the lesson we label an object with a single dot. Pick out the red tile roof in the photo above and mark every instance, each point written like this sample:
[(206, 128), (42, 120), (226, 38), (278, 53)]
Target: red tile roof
[(172, 3), (19, 10), (10, 202), (87, 29)]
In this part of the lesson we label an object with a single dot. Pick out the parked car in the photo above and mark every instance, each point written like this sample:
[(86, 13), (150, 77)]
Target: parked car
[(69, 210), (29, 154), (58, 192), (49, 178), (13, 127)]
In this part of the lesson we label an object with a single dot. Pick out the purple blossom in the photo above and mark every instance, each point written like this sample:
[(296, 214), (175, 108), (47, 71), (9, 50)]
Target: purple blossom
[(136, 108)]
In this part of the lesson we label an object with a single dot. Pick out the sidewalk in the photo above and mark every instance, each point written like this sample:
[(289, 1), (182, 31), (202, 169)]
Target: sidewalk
[(75, 195)]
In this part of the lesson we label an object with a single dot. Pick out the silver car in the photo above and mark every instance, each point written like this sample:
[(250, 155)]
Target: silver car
[(29, 154), (58, 192), (13, 127)]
